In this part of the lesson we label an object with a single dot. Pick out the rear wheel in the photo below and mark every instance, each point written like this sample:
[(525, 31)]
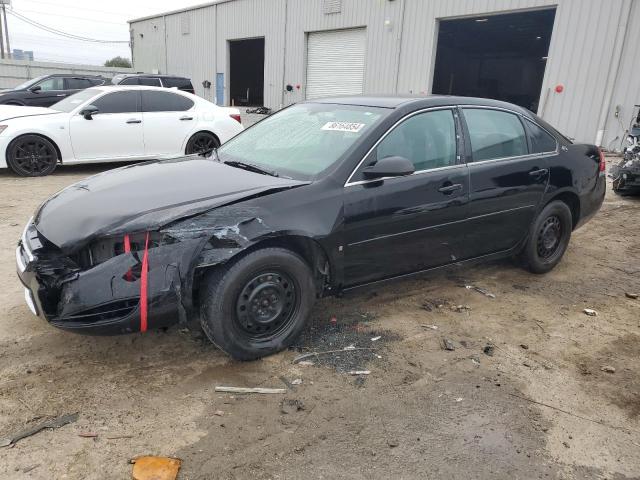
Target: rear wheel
[(259, 304), (549, 238), (201, 142), (32, 156)]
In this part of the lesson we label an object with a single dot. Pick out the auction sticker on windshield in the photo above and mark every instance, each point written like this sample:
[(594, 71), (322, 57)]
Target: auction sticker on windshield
[(343, 126)]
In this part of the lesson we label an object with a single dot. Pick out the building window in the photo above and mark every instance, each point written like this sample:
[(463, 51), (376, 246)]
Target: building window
[(331, 6)]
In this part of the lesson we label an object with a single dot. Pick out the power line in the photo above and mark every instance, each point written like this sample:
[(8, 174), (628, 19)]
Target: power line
[(59, 32), (123, 24), (73, 7)]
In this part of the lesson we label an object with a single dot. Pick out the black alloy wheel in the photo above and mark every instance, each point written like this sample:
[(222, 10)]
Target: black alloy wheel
[(201, 142), (32, 156)]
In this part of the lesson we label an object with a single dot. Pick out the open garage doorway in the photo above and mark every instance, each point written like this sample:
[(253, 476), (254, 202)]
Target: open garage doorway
[(495, 56), (246, 72)]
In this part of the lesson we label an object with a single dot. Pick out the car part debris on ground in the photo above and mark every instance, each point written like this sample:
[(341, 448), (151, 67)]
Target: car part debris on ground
[(447, 344), (264, 391), (430, 327), (480, 290), (155, 468), (591, 312), (359, 372), (633, 296), (608, 369), (55, 423)]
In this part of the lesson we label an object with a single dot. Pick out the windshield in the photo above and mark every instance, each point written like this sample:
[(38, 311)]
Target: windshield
[(28, 83), (303, 140), (72, 101)]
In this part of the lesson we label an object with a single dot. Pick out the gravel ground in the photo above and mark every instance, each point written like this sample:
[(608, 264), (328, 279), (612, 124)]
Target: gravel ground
[(538, 405)]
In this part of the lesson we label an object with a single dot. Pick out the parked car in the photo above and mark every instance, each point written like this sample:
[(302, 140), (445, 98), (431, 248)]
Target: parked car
[(319, 198), (166, 81), (49, 89), (111, 124)]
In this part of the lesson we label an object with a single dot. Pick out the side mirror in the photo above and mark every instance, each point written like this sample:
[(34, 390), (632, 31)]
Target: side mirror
[(88, 112), (35, 89), (389, 167)]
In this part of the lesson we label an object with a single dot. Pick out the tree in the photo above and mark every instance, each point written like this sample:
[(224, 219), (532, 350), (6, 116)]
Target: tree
[(118, 62)]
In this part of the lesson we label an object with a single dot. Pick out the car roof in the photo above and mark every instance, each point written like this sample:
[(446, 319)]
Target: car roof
[(74, 75), (150, 75), (396, 101), (116, 88)]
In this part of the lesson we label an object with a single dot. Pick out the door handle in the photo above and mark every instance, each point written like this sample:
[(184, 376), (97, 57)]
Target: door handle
[(134, 120), (186, 118), (539, 173), (448, 189)]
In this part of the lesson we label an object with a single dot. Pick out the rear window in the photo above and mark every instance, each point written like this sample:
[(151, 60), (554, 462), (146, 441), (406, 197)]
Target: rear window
[(156, 101), (541, 141), (177, 82), (78, 83), (129, 81), (495, 134)]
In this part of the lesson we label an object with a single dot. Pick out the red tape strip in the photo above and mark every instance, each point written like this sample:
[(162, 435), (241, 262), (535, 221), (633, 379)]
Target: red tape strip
[(143, 285)]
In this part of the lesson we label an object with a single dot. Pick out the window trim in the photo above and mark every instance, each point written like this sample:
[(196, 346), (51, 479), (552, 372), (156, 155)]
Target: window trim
[(454, 113), (548, 152)]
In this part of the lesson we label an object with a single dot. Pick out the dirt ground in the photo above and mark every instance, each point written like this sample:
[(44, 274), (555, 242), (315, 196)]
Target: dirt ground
[(540, 406)]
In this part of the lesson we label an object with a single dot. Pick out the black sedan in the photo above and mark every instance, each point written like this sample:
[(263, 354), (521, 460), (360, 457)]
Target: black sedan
[(322, 197), (49, 89)]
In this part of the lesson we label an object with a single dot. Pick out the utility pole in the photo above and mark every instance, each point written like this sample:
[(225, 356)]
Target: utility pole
[(6, 27)]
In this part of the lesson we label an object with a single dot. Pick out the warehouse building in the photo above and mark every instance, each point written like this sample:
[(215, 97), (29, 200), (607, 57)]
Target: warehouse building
[(574, 62)]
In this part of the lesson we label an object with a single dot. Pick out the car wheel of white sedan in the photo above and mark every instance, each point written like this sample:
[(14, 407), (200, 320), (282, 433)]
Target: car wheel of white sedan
[(201, 142), (32, 156)]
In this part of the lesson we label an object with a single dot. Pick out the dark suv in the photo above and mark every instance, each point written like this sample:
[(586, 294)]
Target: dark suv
[(167, 81), (49, 89)]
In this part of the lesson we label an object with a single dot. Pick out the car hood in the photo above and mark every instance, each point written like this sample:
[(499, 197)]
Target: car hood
[(15, 111), (146, 197)]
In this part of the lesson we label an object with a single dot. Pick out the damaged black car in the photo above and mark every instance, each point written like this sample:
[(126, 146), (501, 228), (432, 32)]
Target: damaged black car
[(320, 198)]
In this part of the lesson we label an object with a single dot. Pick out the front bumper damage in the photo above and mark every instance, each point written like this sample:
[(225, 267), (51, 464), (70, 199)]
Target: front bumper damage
[(94, 292)]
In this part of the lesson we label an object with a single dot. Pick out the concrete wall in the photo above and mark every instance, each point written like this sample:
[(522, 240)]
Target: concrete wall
[(15, 72), (592, 52)]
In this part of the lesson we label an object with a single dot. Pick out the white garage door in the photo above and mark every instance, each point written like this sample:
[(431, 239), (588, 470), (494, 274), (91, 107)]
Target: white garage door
[(335, 63)]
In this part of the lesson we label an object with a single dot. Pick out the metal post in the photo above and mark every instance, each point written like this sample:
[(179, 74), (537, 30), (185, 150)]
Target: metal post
[(2, 35), (6, 31)]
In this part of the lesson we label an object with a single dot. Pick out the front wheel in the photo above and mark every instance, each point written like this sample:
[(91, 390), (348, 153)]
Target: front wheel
[(548, 238), (201, 142), (258, 305), (32, 156)]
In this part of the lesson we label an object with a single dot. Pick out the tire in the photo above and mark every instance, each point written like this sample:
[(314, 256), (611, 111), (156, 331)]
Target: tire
[(549, 238), (32, 156), (259, 304), (201, 142)]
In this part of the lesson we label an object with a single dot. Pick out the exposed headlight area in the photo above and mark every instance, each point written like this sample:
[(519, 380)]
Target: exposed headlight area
[(107, 248)]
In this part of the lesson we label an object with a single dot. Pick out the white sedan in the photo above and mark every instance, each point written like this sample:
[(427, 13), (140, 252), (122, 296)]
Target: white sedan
[(111, 124)]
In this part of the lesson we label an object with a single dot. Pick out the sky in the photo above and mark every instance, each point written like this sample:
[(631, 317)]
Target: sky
[(104, 20)]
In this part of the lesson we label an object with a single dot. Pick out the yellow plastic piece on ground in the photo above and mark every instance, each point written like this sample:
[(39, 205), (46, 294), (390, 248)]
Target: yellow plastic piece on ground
[(156, 468)]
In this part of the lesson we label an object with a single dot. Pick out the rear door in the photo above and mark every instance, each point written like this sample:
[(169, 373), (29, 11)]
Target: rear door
[(169, 119), (507, 180), (401, 225), (75, 84), (114, 133)]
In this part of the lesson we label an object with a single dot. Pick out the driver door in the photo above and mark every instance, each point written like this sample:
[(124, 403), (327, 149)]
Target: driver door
[(115, 132), (400, 225), (51, 91)]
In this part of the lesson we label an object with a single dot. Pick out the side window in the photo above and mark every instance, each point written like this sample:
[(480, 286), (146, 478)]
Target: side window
[(150, 82), (53, 83), (427, 139), (77, 83), (118, 102), (129, 81), (154, 101), (495, 134), (541, 141), (182, 83)]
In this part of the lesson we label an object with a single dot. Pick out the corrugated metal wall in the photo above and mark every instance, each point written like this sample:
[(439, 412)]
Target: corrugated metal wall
[(401, 44), (15, 72)]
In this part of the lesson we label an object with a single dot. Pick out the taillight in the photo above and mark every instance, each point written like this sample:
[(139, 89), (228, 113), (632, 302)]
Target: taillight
[(236, 117), (603, 163)]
